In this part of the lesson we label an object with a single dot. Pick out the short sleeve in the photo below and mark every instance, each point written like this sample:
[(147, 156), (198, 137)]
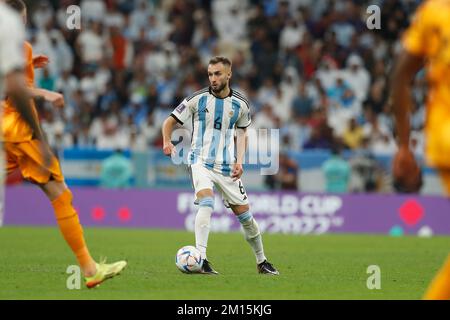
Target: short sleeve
[(183, 112), (415, 38), (244, 119), (29, 67), (11, 44)]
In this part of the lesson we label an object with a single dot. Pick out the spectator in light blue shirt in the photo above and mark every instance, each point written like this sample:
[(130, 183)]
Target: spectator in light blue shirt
[(337, 172), (116, 171)]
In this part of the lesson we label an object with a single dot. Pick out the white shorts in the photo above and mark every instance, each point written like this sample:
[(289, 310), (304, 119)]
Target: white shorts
[(232, 192)]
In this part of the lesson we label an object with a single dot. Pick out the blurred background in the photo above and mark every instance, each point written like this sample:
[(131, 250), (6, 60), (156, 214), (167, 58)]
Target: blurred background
[(310, 68)]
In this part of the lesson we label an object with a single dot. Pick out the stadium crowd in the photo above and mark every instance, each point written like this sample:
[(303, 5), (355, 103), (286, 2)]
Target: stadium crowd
[(309, 67)]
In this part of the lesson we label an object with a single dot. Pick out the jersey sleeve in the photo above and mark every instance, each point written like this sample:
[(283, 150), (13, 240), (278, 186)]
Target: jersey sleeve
[(415, 38), (11, 45), (184, 111), (244, 119), (29, 67)]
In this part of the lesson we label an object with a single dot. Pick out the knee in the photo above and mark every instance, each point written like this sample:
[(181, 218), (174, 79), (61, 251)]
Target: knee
[(238, 210), (62, 198), (62, 206), (55, 190)]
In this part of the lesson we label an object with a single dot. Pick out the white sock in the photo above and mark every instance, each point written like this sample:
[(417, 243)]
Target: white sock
[(252, 235), (202, 224)]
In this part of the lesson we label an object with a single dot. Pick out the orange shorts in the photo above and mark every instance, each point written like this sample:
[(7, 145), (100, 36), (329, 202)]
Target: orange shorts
[(27, 157)]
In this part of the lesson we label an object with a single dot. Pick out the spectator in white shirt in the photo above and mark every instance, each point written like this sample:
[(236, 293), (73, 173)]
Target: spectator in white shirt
[(357, 76)]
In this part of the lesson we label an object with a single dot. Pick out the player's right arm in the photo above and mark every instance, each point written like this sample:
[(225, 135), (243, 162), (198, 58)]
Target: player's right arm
[(179, 115), (20, 95), (167, 128), (405, 169)]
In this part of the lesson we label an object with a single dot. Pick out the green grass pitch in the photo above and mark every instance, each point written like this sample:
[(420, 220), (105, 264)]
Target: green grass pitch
[(33, 263)]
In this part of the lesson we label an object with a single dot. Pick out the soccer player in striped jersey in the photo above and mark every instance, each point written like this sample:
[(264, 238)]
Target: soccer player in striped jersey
[(218, 112)]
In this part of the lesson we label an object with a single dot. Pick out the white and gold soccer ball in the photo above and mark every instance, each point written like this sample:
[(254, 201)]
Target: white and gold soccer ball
[(189, 259)]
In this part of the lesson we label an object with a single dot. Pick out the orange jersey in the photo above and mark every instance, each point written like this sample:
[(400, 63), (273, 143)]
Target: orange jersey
[(15, 129), (429, 37)]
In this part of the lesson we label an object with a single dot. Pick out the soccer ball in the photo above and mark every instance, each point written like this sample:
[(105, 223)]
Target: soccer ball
[(189, 259)]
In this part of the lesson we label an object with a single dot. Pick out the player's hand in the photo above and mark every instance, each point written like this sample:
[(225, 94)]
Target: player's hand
[(40, 61), (237, 171), (55, 98), (169, 149), (406, 171)]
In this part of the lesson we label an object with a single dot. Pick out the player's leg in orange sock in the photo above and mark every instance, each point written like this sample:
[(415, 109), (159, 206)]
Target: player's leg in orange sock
[(69, 224), (439, 288)]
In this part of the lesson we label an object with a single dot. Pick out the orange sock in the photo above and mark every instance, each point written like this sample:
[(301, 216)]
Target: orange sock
[(70, 227), (440, 286)]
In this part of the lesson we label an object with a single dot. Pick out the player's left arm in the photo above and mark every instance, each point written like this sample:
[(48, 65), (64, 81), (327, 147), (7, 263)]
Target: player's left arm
[(40, 61), (55, 98), (241, 142), (241, 147)]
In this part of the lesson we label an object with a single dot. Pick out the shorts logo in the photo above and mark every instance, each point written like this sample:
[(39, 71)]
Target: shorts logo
[(180, 108)]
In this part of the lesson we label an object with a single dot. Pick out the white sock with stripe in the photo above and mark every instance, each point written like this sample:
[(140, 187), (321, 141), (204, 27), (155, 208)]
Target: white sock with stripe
[(252, 235), (202, 224)]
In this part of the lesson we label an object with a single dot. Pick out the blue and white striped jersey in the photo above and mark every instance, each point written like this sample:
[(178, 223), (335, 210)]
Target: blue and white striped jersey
[(213, 125)]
